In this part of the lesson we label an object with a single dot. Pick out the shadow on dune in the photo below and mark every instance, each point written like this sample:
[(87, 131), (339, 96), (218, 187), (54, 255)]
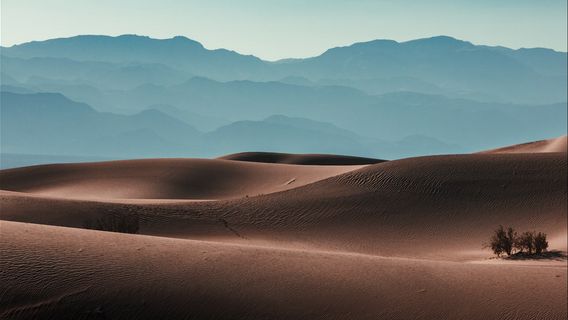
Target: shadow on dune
[(555, 255), (304, 159)]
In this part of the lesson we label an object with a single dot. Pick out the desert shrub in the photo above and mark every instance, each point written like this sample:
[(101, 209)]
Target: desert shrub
[(125, 223), (502, 241), (510, 241), (540, 243), (525, 242), (507, 241)]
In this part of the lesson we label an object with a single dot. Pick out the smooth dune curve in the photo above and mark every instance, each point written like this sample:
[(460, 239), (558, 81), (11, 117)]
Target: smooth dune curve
[(196, 179), (140, 277), (559, 144), (394, 240), (439, 206)]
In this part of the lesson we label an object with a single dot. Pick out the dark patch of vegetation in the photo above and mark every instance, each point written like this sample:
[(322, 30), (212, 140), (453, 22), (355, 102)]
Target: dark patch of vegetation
[(507, 241), (124, 223), (547, 255)]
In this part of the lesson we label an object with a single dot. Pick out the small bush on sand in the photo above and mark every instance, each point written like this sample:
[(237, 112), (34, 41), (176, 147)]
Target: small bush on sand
[(525, 242), (503, 241), (125, 223), (540, 243), (506, 241)]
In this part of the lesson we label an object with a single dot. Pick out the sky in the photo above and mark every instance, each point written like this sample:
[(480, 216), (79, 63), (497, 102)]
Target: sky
[(274, 30)]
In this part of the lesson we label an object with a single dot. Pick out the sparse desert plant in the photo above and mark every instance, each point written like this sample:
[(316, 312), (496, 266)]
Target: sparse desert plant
[(525, 242), (507, 241), (510, 242), (124, 223), (540, 243), (502, 241)]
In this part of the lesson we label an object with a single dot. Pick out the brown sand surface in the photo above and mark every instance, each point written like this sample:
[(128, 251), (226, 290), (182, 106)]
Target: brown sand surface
[(559, 144), (162, 179), (94, 274), (439, 206), (393, 240)]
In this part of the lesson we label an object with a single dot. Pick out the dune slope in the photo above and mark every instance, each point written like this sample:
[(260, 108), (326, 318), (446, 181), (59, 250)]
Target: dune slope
[(139, 277), (198, 179), (559, 144), (440, 206), (232, 239)]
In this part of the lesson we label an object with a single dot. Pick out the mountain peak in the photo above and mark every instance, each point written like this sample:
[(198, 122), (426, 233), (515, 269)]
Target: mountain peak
[(442, 40)]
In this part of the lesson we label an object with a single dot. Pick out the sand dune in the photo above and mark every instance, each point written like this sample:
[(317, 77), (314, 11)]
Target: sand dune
[(394, 240), (440, 206), (307, 159), (559, 144), (139, 277), (198, 179)]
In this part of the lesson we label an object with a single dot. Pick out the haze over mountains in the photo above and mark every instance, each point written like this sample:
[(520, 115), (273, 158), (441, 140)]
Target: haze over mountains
[(132, 96)]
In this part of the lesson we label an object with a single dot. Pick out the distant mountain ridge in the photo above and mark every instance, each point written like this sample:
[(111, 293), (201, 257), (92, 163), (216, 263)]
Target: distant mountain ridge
[(131, 96), (51, 124), (453, 66), (177, 52)]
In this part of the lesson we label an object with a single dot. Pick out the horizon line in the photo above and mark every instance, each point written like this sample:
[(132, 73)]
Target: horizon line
[(282, 59)]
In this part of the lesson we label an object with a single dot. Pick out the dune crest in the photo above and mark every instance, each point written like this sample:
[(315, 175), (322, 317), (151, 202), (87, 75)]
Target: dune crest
[(559, 144)]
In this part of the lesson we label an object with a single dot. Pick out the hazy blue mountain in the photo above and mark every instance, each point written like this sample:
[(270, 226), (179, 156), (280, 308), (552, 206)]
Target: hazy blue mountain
[(49, 123), (438, 65), (104, 75), (15, 89), (279, 133), (297, 80), (196, 120), (283, 134), (542, 60), (6, 79), (178, 52), (53, 68), (240, 100), (138, 96), (387, 85), (309, 124), (390, 116), (413, 145), (74, 90), (471, 124), (447, 63)]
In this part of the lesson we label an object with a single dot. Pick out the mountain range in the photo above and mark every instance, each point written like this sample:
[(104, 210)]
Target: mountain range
[(134, 96), (442, 64)]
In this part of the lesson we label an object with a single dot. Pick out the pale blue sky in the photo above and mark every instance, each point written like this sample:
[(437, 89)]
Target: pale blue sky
[(274, 29)]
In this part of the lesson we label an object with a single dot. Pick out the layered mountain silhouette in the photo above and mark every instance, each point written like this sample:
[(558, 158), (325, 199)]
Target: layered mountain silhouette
[(438, 64), (132, 96), (51, 124)]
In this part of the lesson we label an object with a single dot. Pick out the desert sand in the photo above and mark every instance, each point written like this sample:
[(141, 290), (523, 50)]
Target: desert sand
[(559, 144), (276, 236)]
